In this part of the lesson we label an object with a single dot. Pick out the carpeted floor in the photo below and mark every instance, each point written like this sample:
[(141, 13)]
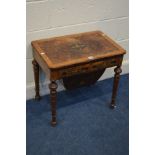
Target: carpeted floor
[(86, 124)]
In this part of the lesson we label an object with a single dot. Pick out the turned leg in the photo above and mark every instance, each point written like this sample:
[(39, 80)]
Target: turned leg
[(36, 79), (117, 71), (53, 86)]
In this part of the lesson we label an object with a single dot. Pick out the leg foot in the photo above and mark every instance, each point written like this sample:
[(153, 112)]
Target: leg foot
[(53, 86), (37, 97), (112, 106), (53, 123), (117, 71)]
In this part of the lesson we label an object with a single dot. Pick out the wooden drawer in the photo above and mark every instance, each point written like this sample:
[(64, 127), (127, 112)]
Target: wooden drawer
[(89, 67)]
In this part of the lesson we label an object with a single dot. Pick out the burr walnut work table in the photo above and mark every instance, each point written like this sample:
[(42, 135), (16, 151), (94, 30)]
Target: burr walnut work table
[(78, 59)]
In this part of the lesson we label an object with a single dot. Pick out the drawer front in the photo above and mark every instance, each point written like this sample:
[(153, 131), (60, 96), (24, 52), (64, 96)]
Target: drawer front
[(89, 67)]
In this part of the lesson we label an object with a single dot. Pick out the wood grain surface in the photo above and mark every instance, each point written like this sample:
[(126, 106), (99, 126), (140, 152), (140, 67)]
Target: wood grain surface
[(75, 49)]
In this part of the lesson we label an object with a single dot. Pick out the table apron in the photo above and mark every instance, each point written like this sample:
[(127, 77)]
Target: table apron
[(85, 68)]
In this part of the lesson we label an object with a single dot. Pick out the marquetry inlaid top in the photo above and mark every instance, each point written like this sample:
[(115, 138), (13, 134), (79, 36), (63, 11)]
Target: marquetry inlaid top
[(76, 48)]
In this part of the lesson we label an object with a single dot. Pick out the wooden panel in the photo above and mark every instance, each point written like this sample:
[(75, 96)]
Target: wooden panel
[(76, 49)]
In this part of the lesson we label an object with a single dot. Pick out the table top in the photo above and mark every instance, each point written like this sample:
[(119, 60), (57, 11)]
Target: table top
[(78, 48)]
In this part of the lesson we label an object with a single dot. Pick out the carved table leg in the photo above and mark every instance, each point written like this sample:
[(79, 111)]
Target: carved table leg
[(53, 86), (117, 70), (36, 79)]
